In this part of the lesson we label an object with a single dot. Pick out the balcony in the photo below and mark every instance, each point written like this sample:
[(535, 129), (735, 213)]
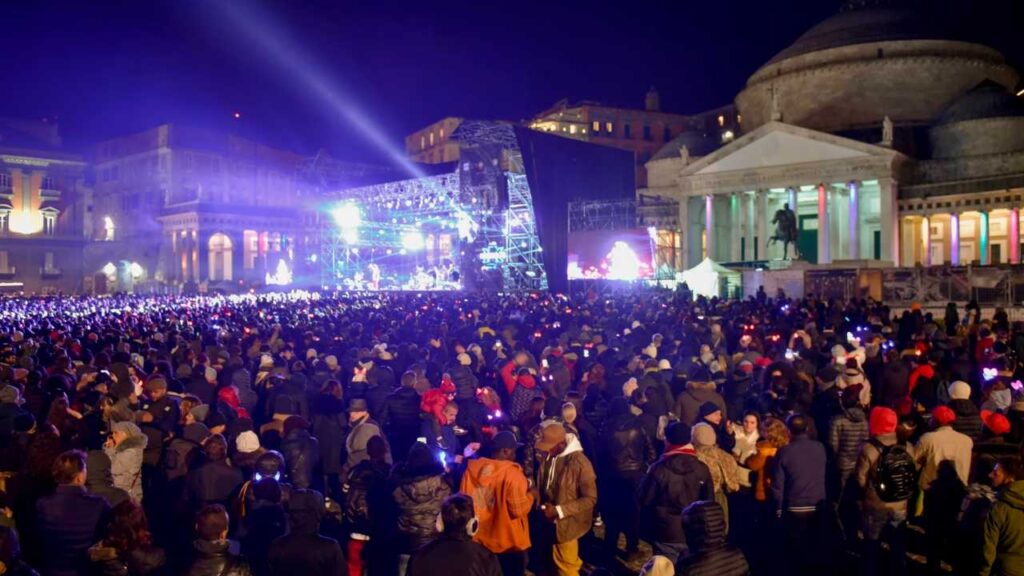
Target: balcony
[(50, 273), (49, 194)]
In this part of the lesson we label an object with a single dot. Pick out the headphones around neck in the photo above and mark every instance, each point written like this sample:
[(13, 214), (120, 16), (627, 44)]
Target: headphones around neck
[(472, 527)]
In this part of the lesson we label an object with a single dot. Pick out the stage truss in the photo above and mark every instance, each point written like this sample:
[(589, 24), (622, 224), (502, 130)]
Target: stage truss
[(486, 201)]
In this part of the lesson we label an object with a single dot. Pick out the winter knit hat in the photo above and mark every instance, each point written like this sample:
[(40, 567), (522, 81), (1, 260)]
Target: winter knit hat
[(883, 421), (703, 434), (943, 416), (996, 423), (959, 390), (247, 442), (708, 408)]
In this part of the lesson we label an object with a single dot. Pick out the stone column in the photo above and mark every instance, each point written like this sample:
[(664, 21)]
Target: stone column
[(985, 254), (761, 208), (735, 228), (954, 239), (1015, 236), (684, 233), (889, 217), (926, 239), (824, 245), (749, 224), (709, 226), (854, 242)]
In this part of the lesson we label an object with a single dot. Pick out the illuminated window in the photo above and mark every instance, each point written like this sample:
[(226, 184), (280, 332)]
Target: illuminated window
[(721, 120), (108, 228), (431, 138), (596, 126), (739, 118), (609, 127), (572, 128), (4, 264), (49, 223), (423, 142), (442, 134)]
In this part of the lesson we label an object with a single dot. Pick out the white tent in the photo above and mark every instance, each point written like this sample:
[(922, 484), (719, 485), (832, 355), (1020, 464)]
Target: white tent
[(711, 279)]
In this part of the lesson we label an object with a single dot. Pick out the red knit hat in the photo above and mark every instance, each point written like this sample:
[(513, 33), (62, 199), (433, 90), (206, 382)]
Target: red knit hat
[(883, 421), (996, 423), (943, 416)]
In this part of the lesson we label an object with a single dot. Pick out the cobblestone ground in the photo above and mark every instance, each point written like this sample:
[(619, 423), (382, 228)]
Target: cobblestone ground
[(590, 549)]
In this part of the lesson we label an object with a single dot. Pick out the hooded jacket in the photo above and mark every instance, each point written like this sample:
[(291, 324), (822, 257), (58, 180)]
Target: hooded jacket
[(419, 489), (1003, 552), (502, 502), (847, 433), (99, 481), (675, 481), (126, 464), (568, 482), (709, 554), (465, 381)]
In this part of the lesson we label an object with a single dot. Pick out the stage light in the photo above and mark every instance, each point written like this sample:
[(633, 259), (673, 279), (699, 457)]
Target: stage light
[(136, 270), (109, 269), (412, 241), (347, 216), (623, 263)]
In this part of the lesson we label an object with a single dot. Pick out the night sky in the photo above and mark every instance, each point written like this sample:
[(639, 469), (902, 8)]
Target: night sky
[(106, 68)]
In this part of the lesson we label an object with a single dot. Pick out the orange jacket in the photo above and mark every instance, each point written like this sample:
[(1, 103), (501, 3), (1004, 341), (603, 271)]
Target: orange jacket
[(502, 502)]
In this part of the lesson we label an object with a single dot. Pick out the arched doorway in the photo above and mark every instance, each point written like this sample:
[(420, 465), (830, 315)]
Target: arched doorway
[(219, 250)]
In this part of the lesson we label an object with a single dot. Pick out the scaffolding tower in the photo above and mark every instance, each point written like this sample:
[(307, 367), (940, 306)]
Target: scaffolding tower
[(524, 268)]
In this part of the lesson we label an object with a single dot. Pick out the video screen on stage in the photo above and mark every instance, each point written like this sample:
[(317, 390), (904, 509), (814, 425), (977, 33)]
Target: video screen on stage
[(611, 255)]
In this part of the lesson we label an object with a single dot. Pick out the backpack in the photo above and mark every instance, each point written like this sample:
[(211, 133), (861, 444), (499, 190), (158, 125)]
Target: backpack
[(895, 475)]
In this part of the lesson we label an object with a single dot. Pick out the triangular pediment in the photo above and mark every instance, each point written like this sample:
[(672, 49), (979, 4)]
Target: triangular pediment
[(777, 144)]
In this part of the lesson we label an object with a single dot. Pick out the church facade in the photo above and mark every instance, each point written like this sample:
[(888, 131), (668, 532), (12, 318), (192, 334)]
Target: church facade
[(894, 138)]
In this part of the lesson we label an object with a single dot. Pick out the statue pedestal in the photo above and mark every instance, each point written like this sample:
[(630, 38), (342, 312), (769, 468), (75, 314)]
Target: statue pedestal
[(788, 264)]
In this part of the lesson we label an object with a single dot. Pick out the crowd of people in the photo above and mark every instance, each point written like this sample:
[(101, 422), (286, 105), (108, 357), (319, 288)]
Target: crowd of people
[(412, 434)]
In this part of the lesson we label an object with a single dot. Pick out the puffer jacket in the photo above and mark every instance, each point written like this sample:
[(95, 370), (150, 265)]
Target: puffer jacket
[(419, 489), (867, 464), (675, 481), (465, 381), (847, 433), (126, 465), (301, 454), (705, 535), (968, 419), (1003, 552), (625, 447)]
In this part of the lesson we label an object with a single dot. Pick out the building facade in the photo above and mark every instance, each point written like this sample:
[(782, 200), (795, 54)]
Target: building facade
[(44, 210), (434, 144), (183, 208), (641, 131), (894, 138)]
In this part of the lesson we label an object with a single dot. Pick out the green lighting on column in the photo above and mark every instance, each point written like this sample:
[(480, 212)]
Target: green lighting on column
[(984, 239)]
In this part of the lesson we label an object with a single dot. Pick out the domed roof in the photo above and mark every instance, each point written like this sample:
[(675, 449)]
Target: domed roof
[(867, 21), (987, 100), (697, 143)]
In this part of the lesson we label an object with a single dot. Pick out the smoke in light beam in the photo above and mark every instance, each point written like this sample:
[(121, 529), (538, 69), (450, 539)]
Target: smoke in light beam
[(282, 50)]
